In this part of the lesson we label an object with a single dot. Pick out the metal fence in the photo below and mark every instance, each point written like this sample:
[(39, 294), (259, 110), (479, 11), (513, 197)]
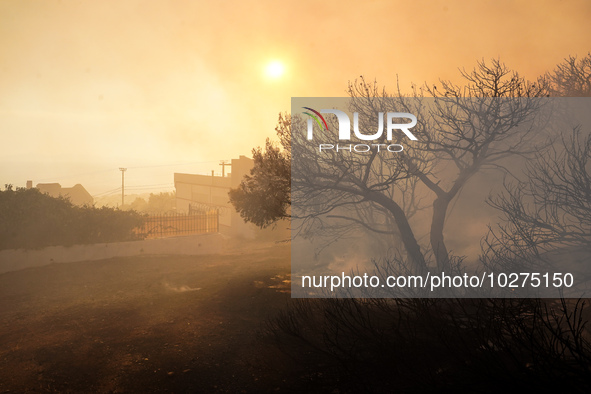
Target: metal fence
[(169, 225)]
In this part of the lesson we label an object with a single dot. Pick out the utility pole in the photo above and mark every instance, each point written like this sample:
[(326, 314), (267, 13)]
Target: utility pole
[(224, 163), (122, 185)]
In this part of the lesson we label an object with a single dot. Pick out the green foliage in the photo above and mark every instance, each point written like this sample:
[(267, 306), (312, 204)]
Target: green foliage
[(31, 219), (264, 196)]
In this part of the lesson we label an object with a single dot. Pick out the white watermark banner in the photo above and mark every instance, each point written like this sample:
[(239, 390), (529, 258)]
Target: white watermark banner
[(441, 197)]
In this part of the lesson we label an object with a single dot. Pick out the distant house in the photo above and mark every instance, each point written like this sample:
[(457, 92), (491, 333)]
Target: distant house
[(202, 192), (76, 194)]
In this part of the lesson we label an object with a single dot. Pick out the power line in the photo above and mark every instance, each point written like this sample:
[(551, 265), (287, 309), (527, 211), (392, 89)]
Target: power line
[(173, 165), (113, 191), (135, 187), (53, 178), (156, 184), (145, 188), (76, 175)]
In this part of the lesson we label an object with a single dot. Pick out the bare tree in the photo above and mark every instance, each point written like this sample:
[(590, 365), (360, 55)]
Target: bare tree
[(549, 210), (462, 130), (572, 77), (494, 343)]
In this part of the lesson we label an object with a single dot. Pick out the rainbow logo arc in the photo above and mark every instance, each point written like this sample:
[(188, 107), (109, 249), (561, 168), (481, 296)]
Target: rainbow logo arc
[(316, 115)]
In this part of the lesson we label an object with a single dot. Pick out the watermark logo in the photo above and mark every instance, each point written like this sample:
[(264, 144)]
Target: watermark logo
[(344, 132), (316, 117)]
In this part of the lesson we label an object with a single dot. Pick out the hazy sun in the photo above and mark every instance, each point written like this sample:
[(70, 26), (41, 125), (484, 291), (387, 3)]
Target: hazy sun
[(275, 69)]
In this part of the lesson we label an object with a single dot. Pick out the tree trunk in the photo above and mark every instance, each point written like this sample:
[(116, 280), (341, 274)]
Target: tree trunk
[(406, 234), (436, 235)]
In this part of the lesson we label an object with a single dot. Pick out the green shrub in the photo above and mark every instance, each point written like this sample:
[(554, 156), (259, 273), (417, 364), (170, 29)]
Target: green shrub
[(30, 219)]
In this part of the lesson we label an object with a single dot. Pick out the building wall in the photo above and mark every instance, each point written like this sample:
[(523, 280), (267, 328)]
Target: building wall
[(15, 260), (193, 190), (76, 194), (201, 191), (53, 189)]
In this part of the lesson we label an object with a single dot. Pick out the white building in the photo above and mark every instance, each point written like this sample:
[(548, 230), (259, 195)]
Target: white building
[(204, 192)]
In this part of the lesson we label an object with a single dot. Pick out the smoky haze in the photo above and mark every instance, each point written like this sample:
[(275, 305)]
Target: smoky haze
[(162, 287), (96, 86)]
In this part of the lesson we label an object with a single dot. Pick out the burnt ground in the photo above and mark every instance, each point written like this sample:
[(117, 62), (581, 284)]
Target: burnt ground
[(147, 324), (198, 324)]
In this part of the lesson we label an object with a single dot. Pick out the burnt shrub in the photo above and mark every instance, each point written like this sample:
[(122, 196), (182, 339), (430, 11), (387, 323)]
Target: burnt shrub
[(427, 345)]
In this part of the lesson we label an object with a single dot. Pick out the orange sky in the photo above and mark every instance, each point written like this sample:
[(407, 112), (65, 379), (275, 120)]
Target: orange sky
[(87, 87)]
